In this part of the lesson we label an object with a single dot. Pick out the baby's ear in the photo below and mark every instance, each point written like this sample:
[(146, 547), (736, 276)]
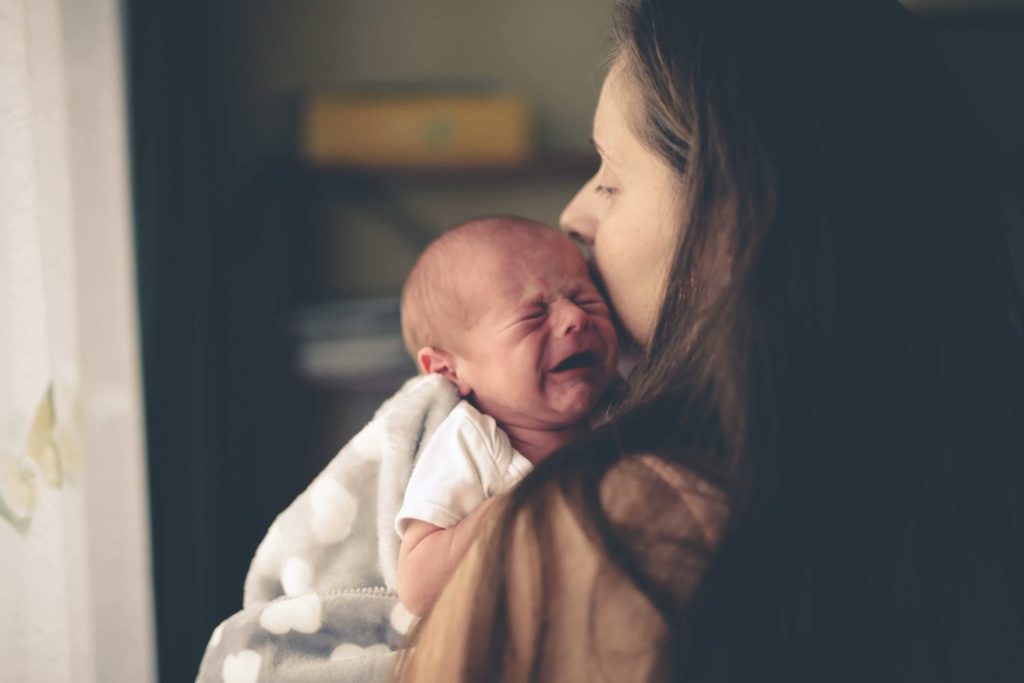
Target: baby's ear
[(438, 362)]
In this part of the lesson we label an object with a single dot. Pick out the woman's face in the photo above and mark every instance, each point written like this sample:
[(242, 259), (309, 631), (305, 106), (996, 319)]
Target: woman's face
[(629, 213)]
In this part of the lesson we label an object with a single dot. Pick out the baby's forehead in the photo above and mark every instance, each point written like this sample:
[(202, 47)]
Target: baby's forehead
[(511, 278), (552, 252)]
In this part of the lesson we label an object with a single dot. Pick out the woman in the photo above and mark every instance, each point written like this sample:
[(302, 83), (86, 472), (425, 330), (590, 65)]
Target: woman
[(815, 472)]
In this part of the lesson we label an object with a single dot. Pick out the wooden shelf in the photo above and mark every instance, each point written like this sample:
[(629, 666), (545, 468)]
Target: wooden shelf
[(554, 166)]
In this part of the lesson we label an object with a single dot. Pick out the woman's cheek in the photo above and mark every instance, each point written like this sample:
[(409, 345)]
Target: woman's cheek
[(632, 293), (605, 270), (629, 307)]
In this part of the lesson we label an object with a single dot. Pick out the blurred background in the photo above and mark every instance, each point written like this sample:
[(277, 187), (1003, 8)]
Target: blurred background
[(268, 272), (238, 230), (267, 275)]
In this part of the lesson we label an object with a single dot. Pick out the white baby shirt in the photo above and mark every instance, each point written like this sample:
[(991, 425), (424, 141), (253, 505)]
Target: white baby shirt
[(465, 462)]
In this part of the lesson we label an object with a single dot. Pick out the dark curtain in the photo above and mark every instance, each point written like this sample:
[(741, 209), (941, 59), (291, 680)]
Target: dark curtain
[(226, 417)]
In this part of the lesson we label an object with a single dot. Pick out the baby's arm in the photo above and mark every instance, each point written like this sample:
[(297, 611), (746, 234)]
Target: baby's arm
[(429, 555)]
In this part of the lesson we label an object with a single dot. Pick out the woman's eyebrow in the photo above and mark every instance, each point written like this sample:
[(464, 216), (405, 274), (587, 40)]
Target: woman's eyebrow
[(602, 152)]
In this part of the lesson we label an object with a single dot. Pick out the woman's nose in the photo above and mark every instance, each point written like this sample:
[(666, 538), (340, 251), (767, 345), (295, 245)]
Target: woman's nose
[(569, 318), (578, 219)]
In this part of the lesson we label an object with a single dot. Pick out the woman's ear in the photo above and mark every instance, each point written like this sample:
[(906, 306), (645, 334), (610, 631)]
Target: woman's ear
[(433, 361)]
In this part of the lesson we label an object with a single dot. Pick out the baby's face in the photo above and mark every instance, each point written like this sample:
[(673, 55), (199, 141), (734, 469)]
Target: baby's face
[(543, 349)]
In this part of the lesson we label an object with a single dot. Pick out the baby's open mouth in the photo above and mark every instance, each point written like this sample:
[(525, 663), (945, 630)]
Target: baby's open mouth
[(583, 359)]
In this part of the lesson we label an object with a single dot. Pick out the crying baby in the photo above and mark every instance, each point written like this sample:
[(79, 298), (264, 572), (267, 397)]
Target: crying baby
[(504, 308)]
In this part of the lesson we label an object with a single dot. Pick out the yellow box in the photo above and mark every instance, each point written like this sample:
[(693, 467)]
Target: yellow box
[(418, 130)]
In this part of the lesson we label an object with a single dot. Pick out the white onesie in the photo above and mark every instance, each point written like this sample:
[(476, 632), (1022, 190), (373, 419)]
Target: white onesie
[(465, 462)]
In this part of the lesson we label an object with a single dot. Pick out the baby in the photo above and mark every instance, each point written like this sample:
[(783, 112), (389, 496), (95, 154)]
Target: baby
[(503, 307)]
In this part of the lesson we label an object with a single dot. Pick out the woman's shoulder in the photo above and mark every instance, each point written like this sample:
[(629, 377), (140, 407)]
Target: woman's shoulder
[(668, 516), (597, 621), (665, 496)]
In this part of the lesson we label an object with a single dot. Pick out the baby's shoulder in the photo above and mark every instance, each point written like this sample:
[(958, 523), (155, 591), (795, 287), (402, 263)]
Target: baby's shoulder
[(473, 431), (465, 416), (466, 411)]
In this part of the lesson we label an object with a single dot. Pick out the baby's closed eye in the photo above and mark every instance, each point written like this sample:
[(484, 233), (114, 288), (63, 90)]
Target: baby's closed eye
[(536, 312)]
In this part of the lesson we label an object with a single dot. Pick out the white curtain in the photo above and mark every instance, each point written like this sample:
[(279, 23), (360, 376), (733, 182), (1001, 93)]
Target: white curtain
[(75, 597)]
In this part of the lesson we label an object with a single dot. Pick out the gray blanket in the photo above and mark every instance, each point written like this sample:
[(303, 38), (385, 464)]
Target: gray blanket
[(320, 601)]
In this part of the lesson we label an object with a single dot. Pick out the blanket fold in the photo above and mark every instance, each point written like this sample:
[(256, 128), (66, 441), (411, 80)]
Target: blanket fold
[(320, 600)]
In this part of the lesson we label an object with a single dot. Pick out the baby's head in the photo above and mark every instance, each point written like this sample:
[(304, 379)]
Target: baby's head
[(505, 309)]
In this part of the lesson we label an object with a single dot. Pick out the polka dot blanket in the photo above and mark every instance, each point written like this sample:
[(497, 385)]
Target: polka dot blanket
[(320, 601)]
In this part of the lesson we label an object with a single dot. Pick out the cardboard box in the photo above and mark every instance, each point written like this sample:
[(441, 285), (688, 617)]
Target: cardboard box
[(418, 130)]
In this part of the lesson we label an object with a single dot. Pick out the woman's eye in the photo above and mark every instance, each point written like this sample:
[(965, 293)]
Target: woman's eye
[(605, 190)]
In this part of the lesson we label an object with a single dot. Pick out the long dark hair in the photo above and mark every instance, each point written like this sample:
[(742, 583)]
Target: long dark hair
[(854, 384)]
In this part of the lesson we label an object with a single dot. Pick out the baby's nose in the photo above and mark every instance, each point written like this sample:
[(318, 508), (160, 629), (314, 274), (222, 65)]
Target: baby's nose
[(570, 318)]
